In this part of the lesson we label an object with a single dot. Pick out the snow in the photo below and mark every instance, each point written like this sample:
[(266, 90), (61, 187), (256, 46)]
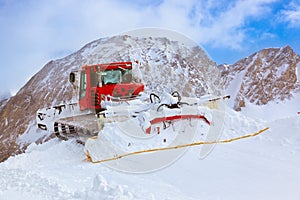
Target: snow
[(281, 70), (235, 84), (30, 135), (298, 72), (234, 87), (273, 110), (262, 167)]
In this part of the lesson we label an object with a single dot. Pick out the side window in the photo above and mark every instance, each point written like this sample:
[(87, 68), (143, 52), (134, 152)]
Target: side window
[(127, 76), (94, 79), (82, 92)]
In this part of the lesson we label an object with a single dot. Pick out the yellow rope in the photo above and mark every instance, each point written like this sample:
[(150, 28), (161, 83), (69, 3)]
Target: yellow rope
[(178, 146)]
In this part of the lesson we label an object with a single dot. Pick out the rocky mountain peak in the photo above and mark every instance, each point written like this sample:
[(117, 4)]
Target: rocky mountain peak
[(268, 75)]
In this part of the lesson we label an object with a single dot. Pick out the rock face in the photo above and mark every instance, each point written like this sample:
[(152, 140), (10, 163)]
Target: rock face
[(163, 63), (268, 75)]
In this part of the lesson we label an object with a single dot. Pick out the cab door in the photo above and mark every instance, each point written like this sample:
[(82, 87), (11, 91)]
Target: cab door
[(83, 97)]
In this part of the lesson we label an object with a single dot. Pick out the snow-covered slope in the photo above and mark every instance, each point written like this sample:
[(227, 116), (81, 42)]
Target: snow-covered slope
[(274, 110), (264, 167)]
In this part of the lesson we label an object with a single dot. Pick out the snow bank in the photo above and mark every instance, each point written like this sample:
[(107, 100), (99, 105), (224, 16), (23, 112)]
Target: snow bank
[(40, 173), (274, 110), (264, 167), (58, 170), (32, 135)]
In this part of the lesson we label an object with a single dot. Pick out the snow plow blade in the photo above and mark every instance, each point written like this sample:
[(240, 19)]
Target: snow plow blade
[(167, 121)]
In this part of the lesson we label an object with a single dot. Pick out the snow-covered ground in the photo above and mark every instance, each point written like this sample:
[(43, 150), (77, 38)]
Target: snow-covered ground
[(262, 167)]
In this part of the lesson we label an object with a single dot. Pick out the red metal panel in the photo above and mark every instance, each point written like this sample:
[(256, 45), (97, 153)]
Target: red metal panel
[(176, 117)]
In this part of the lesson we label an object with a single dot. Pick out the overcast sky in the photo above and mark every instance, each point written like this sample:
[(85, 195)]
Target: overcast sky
[(34, 32)]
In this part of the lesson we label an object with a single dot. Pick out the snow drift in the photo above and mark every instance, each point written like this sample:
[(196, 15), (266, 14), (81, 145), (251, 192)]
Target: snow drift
[(265, 167)]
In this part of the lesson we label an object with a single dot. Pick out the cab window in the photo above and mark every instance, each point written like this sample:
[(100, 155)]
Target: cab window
[(82, 92)]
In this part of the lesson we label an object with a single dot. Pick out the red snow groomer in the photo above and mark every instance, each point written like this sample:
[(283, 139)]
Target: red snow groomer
[(93, 84)]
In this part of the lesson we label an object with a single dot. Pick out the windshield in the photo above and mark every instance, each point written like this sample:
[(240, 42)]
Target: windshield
[(120, 75)]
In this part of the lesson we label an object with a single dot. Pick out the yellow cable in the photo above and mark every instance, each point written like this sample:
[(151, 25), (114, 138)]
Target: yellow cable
[(177, 147)]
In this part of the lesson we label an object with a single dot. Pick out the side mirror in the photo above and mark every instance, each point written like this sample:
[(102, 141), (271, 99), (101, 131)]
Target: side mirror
[(72, 77)]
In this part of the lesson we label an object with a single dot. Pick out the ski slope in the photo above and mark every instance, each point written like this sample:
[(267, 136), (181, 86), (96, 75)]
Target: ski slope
[(262, 167)]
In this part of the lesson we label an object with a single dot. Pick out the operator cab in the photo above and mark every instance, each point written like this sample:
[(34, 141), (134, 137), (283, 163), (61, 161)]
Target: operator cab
[(112, 79)]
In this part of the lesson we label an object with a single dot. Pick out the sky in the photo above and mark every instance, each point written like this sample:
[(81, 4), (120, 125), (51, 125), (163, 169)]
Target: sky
[(35, 32)]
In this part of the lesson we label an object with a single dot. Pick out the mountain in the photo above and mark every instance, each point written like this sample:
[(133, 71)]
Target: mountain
[(270, 75), (164, 63)]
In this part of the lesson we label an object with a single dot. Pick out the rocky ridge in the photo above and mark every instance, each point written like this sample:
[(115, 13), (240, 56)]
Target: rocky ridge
[(268, 75)]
